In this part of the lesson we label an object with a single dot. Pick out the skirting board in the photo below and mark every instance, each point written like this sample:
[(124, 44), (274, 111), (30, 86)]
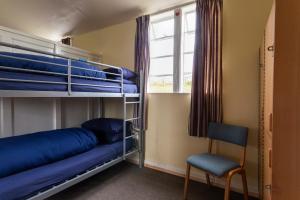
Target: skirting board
[(235, 186)]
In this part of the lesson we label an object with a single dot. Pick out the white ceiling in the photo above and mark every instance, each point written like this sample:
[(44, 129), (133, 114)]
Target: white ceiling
[(53, 19)]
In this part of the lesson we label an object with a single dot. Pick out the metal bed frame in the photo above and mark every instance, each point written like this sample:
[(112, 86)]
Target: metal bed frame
[(127, 99)]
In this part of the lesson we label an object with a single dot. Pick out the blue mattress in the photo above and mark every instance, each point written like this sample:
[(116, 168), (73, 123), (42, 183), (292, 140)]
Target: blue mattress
[(26, 184), (48, 64), (8, 85), (24, 152)]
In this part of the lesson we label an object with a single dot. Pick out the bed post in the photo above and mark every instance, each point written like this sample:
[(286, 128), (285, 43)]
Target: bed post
[(1, 117), (141, 120), (124, 114), (101, 108), (124, 126), (69, 77)]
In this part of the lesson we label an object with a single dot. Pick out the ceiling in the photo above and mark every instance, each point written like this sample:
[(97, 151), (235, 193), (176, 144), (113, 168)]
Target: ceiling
[(53, 19)]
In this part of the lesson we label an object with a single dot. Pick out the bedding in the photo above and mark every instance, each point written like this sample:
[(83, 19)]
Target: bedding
[(61, 81), (108, 129), (53, 66), (25, 152), (127, 73), (126, 81), (9, 85), (28, 183)]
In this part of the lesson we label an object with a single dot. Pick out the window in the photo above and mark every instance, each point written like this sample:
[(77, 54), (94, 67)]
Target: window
[(172, 37)]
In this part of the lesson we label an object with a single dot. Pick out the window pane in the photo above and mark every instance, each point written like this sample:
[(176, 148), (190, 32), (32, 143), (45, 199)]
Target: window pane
[(187, 71), (189, 41), (161, 47), (188, 30), (162, 25), (161, 52), (163, 28), (188, 63), (161, 75), (161, 66), (190, 20), (161, 84)]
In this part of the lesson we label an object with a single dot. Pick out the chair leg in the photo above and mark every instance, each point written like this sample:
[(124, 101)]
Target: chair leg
[(208, 179), (244, 178), (227, 187), (187, 179)]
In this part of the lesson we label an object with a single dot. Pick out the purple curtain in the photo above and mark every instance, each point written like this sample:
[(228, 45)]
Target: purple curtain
[(142, 59), (206, 97)]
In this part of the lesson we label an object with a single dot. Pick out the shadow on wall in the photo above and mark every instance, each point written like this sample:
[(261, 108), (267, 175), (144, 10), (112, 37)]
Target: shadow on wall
[(90, 25)]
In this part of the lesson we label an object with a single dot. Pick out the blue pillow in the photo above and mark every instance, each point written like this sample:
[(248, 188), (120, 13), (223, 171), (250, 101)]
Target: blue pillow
[(25, 152), (82, 64), (107, 129), (127, 74)]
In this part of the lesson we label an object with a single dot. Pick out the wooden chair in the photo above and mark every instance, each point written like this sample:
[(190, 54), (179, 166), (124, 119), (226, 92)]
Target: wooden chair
[(217, 165)]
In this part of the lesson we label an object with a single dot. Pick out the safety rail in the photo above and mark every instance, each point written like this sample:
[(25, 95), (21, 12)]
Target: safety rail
[(68, 74)]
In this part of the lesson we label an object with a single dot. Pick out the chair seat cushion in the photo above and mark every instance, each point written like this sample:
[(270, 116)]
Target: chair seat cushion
[(214, 164)]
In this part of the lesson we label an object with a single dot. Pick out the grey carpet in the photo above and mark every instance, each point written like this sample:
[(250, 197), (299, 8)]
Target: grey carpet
[(126, 181)]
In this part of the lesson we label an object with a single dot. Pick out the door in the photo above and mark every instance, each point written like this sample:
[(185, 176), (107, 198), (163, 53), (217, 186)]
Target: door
[(268, 102), (286, 133)]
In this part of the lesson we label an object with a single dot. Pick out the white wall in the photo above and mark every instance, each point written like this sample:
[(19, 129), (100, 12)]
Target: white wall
[(20, 116)]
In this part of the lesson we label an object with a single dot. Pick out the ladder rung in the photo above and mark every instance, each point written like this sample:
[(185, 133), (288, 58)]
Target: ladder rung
[(131, 152), (131, 136), (132, 102), (136, 129), (131, 119)]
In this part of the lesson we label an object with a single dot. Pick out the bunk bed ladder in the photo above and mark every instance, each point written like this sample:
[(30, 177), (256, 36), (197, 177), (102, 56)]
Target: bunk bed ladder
[(141, 121), (124, 126), (137, 131)]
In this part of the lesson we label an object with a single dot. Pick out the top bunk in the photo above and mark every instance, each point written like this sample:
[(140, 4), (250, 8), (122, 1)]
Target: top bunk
[(35, 72)]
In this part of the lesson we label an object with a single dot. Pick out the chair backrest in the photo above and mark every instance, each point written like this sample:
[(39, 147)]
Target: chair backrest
[(228, 133)]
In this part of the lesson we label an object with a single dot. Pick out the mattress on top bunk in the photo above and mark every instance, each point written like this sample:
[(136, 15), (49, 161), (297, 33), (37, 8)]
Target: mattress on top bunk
[(28, 183), (48, 64), (9, 85)]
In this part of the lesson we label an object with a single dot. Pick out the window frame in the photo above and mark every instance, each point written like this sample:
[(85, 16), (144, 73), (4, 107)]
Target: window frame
[(178, 48)]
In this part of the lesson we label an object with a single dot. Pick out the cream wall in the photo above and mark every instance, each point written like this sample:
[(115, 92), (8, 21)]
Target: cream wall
[(167, 140), (115, 44)]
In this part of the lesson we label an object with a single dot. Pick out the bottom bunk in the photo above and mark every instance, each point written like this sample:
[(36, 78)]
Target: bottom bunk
[(38, 165)]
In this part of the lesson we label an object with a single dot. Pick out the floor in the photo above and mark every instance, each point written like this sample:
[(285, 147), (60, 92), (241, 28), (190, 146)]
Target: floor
[(126, 181)]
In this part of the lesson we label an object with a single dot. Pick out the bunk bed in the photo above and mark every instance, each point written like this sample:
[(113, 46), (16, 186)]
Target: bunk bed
[(39, 73), (59, 74)]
